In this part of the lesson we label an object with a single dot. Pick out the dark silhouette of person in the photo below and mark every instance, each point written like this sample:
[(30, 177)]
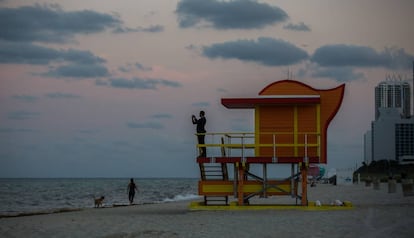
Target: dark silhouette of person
[(131, 191), (201, 122)]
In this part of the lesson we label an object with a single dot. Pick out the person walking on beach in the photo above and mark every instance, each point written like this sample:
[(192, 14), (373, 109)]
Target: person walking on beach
[(131, 191), (201, 122)]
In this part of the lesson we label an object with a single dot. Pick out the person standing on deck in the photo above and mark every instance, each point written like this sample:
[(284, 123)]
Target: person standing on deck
[(201, 122)]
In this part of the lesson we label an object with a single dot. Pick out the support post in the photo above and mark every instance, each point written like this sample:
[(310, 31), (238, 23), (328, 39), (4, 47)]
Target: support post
[(236, 176), (292, 180), (264, 180), (274, 146), (240, 195), (304, 174)]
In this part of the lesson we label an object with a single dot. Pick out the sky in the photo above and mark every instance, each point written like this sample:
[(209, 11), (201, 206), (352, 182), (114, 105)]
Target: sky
[(107, 88)]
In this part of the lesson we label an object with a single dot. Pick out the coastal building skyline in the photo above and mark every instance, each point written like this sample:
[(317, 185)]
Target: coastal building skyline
[(393, 93), (391, 136)]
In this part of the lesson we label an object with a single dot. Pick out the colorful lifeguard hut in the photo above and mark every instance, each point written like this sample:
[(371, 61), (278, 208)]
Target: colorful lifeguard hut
[(291, 123)]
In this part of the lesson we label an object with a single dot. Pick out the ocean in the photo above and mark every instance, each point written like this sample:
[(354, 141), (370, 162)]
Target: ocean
[(27, 196)]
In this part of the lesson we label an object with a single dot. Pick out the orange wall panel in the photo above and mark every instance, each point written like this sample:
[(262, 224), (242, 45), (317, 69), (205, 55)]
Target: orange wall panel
[(307, 118)]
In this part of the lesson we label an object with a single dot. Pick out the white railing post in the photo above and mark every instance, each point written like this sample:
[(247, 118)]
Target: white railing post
[(229, 142), (242, 141), (212, 142)]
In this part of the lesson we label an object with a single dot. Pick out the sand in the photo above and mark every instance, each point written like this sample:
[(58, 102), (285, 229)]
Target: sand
[(375, 213)]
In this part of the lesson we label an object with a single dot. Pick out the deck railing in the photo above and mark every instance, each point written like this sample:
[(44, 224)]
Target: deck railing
[(243, 144)]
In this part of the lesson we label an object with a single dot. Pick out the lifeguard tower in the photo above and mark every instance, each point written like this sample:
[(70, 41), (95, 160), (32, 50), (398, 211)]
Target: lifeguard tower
[(291, 123)]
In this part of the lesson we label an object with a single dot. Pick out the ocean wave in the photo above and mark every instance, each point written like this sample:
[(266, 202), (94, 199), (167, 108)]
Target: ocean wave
[(181, 197), (33, 196)]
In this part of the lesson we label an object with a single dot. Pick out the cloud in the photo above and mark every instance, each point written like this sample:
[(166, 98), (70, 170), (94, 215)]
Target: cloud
[(340, 61), (341, 55), (343, 74), (236, 14), (49, 23), (297, 27), (145, 125), (266, 51), (101, 82), (139, 83), (340, 74), (124, 69), (25, 98), (129, 67), (142, 67), (61, 95), (82, 64), (27, 53), (18, 53), (22, 115), (150, 29), (82, 57), (78, 71)]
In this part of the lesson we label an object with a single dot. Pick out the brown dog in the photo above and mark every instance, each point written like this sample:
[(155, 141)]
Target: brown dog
[(99, 201)]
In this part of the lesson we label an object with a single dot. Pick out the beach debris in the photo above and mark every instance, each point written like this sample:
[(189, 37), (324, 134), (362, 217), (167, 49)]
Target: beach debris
[(338, 203)]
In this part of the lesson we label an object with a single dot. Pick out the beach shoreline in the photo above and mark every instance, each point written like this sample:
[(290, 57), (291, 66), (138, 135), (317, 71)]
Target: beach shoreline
[(375, 213), (67, 209), (25, 197)]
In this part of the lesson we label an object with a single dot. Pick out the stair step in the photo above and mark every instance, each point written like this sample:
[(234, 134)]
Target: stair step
[(215, 171)]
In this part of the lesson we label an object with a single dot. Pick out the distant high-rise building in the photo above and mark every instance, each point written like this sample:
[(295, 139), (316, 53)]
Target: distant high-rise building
[(392, 137), (393, 93), (392, 132)]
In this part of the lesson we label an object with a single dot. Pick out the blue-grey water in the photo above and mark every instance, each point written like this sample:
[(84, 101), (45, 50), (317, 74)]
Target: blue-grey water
[(25, 196)]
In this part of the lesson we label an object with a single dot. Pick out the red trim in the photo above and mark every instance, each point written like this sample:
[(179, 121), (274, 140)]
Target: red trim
[(252, 102), (228, 159), (203, 160)]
